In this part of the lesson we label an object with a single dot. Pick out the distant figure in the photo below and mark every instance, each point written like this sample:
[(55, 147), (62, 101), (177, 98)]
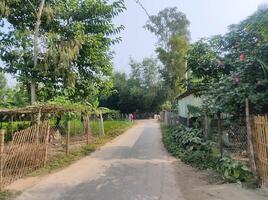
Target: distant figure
[(130, 116)]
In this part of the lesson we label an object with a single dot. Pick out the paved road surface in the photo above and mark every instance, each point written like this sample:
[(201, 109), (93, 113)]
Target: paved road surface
[(134, 166)]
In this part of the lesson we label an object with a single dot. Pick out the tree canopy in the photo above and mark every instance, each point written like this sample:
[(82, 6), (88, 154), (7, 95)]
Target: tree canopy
[(142, 92), (233, 67), (74, 45), (171, 27)]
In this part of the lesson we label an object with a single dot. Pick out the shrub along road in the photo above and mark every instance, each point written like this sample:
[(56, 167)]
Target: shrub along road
[(134, 166)]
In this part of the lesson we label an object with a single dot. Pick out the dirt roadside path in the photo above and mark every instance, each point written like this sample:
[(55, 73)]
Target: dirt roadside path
[(134, 166)]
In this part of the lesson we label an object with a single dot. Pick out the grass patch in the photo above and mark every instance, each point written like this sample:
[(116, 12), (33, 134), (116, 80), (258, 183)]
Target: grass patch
[(8, 195), (61, 160)]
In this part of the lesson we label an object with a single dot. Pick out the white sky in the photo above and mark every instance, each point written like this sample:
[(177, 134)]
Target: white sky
[(207, 17)]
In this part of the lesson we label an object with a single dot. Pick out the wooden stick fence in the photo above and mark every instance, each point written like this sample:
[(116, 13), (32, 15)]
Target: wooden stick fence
[(26, 152), (261, 146)]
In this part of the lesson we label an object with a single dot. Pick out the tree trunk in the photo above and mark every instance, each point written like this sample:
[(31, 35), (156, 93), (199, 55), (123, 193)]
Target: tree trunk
[(33, 92), (35, 47), (206, 126)]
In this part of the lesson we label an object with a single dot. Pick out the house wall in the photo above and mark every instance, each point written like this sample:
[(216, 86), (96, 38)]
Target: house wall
[(184, 102)]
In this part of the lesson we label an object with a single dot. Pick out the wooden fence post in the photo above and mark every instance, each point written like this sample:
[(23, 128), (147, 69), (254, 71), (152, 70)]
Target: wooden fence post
[(250, 139), (102, 125), (206, 126), (11, 124), (220, 132), (46, 142), (188, 120), (2, 143), (68, 137), (86, 124), (88, 132)]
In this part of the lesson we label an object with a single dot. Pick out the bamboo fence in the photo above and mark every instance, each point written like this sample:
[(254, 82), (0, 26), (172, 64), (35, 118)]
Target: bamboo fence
[(261, 146), (25, 153)]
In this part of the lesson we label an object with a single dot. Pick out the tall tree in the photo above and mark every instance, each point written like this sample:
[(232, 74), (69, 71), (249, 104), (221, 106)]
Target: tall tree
[(35, 46), (171, 27), (174, 64), (234, 67), (75, 39), (168, 23), (143, 91), (3, 84)]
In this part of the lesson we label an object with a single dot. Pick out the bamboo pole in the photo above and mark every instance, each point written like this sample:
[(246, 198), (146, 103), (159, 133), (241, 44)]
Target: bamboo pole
[(220, 132), (46, 142), (250, 139), (206, 126), (102, 125), (68, 138), (2, 143), (89, 130), (11, 124)]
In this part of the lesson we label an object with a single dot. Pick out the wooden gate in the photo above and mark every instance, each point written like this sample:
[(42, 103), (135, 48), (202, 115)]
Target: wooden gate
[(26, 152), (261, 146)]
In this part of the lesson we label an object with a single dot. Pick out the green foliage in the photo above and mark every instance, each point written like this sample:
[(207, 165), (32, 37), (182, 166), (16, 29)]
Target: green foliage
[(3, 85), (195, 111), (171, 27), (188, 145), (174, 64), (168, 23), (233, 67), (143, 91), (75, 58), (61, 160), (11, 97), (167, 105), (232, 170)]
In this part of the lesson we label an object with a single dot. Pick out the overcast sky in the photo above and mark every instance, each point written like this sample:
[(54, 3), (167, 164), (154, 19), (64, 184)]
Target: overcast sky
[(207, 17)]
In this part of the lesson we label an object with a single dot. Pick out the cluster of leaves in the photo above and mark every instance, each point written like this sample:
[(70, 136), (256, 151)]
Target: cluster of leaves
[(141, 92), (171, 27), (232, 170), (12, 97), (188, 145), (74, 57), (230, 68)]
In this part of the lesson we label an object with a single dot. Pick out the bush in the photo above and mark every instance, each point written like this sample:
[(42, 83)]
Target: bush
[(232, 170), (188, 145)]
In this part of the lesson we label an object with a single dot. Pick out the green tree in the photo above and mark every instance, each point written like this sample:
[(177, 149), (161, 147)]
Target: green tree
[(168, 23), (143, 91), (3, 85), (145, 72), (233, 67), (171, 27), (75, 39), (11, 97), (174, 64)]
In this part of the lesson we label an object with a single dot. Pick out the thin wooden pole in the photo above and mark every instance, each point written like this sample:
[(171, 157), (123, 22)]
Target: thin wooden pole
[(11, 124), (38, 121), (188, 119), (250, 139), (206, 126), (46, 142), (2, 143), (68, 137), (102, 125), (220, 132), (89, 130)]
